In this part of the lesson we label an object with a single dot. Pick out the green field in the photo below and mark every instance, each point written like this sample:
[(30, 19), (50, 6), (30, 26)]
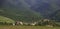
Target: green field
[(27, 27), (5, 20)]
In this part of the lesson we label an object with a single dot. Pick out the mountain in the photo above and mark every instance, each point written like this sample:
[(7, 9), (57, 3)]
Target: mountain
[(30, 10), (45, 7), (56, 15), (18, 10)]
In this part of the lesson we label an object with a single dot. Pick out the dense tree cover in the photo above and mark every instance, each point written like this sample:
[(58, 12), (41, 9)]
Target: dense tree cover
[(47, 8), (20, 15), (20, 10), (55, 16)]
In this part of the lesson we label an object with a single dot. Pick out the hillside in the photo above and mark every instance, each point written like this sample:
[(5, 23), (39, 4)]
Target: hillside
[(45, 7), (55, 15), (6, 20), (30, 10), (19, 11)]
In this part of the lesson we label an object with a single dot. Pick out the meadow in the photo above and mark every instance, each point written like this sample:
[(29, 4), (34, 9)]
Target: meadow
[(26, 27)]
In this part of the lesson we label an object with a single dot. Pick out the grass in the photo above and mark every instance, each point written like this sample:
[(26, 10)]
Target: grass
[(5, 19), (27, 27)]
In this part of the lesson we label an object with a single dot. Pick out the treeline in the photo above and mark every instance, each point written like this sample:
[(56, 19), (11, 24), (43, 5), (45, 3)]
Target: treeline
[(43, 22)]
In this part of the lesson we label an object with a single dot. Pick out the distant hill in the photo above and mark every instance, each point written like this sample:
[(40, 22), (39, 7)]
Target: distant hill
[(19, 11), (30, 10), (45, 7), (55, 15)]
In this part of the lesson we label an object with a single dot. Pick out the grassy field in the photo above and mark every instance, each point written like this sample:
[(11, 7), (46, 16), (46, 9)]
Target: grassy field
[(5, 19), (27, 27)]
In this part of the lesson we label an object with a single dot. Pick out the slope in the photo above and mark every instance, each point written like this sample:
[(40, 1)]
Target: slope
[(6, 20), (45, 7), (19, 10)]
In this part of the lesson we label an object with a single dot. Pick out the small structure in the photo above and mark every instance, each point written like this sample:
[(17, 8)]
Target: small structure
[(19, 23), (48, 22)]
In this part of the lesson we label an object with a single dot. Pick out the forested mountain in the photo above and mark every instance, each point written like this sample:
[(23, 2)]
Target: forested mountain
[(30, 10), (18, 10), (55, 15), (45, 7)]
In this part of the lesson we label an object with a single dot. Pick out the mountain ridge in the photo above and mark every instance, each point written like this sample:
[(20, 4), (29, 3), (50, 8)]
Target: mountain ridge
[(19, 12)]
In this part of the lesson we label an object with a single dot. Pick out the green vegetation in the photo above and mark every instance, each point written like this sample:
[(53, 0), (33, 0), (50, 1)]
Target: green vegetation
[(57, 15), (22, 15), (11, 12), (20, 11), (4, 20), (28, 27)]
